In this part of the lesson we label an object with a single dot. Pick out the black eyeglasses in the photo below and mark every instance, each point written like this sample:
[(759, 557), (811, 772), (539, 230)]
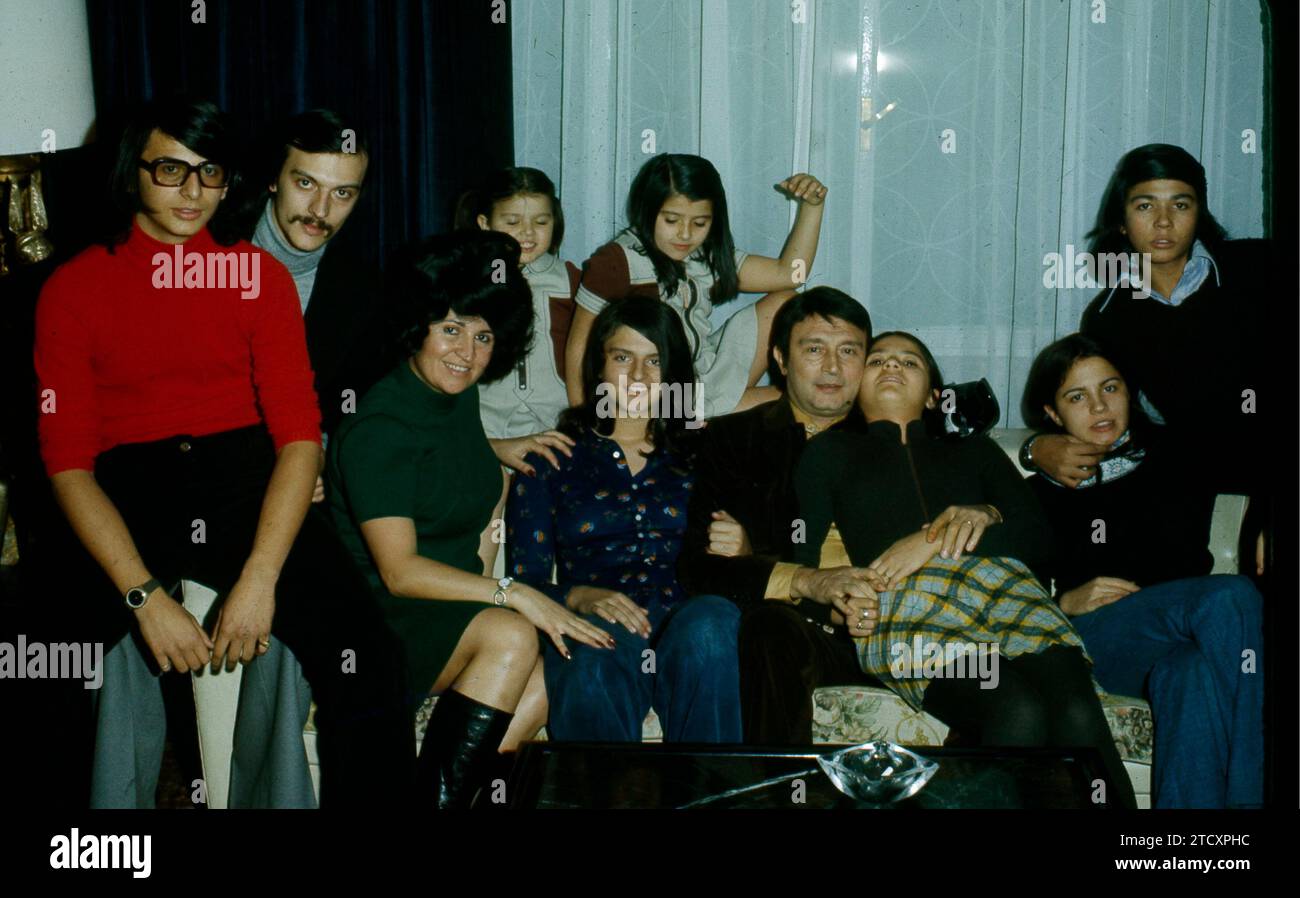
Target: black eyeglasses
[(167, 172)]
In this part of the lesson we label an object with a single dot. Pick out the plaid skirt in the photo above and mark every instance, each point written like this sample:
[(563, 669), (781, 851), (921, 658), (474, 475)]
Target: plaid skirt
[(994, 603)]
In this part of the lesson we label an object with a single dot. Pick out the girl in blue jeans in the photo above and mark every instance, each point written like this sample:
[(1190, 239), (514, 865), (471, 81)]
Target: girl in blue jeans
[(609, 521), (1133, 574)]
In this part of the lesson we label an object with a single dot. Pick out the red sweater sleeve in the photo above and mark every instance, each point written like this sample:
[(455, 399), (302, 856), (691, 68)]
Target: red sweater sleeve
[(68, 423), (282, 372)]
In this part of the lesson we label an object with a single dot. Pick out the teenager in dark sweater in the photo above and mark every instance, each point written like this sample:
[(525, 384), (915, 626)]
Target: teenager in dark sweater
[(951, 532), (1207, 295), (1131, 571)]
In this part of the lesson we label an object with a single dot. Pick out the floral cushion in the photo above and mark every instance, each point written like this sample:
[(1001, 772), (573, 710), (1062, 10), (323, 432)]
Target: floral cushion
[(847, 715)]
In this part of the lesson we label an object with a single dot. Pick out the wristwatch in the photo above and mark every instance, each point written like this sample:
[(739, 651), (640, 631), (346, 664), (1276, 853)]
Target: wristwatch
[(1027, 454), (137, 596), (499, 595)]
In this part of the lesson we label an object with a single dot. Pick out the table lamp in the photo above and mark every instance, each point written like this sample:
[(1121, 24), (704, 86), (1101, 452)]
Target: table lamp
[(47, 103)]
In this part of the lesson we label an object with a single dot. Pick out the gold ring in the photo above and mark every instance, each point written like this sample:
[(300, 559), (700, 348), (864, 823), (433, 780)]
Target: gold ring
[(264, 643)]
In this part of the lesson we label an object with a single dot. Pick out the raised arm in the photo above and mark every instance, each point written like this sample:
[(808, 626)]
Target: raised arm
[(762, 274)]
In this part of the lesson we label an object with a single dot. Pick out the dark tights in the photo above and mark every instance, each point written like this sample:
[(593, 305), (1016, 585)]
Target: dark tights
[(1043, 699)]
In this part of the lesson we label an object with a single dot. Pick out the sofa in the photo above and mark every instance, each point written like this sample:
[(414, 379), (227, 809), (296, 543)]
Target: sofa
[(842, 715)]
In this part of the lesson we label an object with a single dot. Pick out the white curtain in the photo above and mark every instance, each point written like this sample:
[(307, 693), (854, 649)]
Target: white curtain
[(1035, 99)]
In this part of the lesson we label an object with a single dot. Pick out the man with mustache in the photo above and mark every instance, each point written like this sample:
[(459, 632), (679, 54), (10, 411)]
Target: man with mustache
[(308, 187), (744, 519), (181, 438)]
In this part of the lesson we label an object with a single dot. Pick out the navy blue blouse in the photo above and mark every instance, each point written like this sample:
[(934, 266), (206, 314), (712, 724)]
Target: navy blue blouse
[(598, 525)]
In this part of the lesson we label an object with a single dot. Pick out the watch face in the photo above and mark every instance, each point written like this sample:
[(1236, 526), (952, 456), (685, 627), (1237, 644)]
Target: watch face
[(135, 597)]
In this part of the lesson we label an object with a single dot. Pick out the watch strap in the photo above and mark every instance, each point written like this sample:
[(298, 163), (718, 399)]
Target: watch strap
[(146, 587), (1027, 453)]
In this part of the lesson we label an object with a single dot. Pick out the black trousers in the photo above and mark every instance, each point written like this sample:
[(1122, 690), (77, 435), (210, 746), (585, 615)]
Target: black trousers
[(1042, 699), (192, 506), (783, 658)]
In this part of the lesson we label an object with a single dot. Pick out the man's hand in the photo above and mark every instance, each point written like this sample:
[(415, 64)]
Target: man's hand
[(862, 618), (511, 452), (243, 629), (1095, 593), (835, 586), (1259, 554), (904, 558), (727, 537), (960, 528), (173, 635), (1067, 460)]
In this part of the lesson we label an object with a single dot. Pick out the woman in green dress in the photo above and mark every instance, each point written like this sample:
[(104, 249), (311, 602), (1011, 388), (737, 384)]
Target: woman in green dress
[(414, 485)]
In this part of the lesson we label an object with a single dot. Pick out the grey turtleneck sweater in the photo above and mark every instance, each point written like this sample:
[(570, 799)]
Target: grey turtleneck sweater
[(302, 265)]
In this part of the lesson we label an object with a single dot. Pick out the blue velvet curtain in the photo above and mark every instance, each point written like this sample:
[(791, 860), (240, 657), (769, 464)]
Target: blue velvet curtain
[(429, 80)]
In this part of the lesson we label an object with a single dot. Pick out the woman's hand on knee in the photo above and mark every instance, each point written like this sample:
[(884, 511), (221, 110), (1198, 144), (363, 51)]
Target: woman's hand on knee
[(610, 606), (173, 635), (556, 621)]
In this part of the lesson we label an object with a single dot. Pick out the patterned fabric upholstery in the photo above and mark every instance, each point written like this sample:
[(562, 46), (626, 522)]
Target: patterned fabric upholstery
[(847, 715)]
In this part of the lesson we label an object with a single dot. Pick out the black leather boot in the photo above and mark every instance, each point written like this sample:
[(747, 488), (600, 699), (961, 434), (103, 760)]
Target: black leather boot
[(459, 751)]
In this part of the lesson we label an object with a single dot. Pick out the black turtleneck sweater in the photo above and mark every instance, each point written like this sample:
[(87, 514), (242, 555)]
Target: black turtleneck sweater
[(877, 490)]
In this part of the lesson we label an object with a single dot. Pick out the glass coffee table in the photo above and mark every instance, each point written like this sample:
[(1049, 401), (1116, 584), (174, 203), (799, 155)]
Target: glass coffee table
[(602, 775)]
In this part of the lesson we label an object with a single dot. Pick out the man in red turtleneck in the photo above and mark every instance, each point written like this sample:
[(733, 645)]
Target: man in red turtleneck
[(182, 438)]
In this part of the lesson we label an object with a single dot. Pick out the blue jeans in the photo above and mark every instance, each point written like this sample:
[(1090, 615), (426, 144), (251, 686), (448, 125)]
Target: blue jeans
[(1181, 644), (692, 679)]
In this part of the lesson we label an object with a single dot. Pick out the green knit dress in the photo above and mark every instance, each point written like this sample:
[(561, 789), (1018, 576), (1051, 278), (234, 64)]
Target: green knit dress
[(412, 452)]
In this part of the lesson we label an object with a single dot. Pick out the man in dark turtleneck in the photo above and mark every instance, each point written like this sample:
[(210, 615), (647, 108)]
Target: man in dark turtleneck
[(313, 176)]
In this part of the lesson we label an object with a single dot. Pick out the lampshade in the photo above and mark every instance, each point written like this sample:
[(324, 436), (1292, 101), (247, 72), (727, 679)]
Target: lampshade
[(45, 70)]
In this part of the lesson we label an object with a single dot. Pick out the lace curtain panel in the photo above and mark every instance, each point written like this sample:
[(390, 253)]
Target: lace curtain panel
[(1005, 119)]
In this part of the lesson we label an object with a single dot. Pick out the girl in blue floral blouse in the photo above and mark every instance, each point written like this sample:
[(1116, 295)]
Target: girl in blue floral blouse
[(609, 522)]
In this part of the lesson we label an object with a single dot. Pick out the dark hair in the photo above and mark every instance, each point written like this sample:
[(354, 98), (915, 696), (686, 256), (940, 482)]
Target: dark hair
[(502, 185), (197, 124), (1153, 162), (695, 178), (660, 325), (824, 301), (471, 273), (1048, 373), (314, 131), (319, 131)]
